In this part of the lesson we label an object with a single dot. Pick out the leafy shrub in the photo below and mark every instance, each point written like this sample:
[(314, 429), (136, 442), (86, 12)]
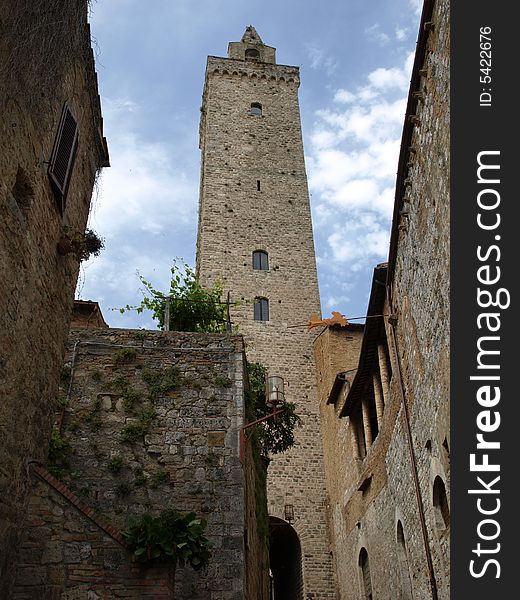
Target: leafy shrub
[(123, 489), (136, 431), (192, 306), (169, 537), (59, 447), (115, 464), (160, 382), (124, 356)]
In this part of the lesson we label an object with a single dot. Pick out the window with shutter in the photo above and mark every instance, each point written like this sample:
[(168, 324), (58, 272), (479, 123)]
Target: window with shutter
[(261, 309), (63, 155), (260, 260)]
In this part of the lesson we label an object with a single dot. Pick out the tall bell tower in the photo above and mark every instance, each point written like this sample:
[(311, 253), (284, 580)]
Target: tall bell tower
[(255, 236)]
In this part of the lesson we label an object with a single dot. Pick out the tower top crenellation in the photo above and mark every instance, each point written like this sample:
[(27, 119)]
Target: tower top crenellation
[(251, 48)]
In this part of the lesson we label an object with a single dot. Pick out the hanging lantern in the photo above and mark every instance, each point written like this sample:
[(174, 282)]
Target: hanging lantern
[(275, 392), (289, 513)]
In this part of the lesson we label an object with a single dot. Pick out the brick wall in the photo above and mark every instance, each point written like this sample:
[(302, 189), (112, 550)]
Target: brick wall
[(37, 76)]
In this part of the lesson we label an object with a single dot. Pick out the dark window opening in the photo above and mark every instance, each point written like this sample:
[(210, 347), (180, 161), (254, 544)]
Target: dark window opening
[(440, 503), (374, 427), (365, 574), (63, 156), (261, 309), (356, 420), (252, 54), (256, 109), (258, 185), (260, 260), (402, 553), (23, 192)]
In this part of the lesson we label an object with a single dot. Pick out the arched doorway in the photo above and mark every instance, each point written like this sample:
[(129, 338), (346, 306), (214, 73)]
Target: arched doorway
[(285, 559)]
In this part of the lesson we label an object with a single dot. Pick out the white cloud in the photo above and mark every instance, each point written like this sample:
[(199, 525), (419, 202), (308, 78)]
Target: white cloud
[(401, 33), (359, 245), (148, 207), (141, 189), (416, 5), (344, 96), (375, 34), (352, 164), (388, 78), (319, 59)]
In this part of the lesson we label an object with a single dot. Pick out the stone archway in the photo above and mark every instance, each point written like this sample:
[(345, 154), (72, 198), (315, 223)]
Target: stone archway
[(285, 559)]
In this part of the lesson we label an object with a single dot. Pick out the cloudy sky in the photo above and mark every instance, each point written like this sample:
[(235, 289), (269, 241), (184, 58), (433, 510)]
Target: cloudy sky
[(355, 59)]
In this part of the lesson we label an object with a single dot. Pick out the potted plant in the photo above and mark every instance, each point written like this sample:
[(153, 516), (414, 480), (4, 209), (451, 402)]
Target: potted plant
[(82, 245)]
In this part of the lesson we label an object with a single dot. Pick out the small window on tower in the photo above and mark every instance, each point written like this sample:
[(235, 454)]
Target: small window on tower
[(260, 260), (261, 309), (256, 109), (252, 54)]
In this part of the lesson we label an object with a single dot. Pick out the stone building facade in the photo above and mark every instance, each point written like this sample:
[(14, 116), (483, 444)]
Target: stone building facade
[(148, 421), (384, 398), (255, 237), (50, 123)]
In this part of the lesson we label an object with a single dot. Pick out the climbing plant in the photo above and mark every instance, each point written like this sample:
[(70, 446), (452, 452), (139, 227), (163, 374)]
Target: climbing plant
[(193, 307)]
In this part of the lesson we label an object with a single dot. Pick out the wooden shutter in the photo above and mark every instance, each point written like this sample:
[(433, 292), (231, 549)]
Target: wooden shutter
[(260, 260), (261, 309), (63, 155)]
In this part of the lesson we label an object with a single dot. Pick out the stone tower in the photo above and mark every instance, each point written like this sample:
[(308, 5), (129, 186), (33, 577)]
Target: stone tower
[(255, 236)]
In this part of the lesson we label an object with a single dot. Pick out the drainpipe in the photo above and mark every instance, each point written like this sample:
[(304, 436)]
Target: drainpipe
[(420, 504)]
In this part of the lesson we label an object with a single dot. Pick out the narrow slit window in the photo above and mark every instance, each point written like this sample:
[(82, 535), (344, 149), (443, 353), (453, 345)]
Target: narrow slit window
[(258, 185), (440, 504), (260, 260), (366, 581), (261, 309), (256, 109), (63, 156)]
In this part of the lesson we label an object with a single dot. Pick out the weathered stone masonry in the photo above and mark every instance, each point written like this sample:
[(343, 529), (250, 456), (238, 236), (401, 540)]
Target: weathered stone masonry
[(254, 197), (153, 421), (376, 512), (45, 61)]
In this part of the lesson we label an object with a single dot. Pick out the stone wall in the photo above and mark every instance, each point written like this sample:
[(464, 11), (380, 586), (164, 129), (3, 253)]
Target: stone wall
[(45, 60), (374, 503), (152, 420), (70, 552), (253, 197), (421, 287)]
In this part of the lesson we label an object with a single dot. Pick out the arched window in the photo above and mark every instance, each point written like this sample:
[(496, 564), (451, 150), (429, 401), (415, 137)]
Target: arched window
[(260, 260), (440, 504), (261, 309), (256, 109), (366, 582), (406, 584), (252, 54)]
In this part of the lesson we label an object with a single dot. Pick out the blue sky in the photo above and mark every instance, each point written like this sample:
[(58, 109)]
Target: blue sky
[(355, 59)]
